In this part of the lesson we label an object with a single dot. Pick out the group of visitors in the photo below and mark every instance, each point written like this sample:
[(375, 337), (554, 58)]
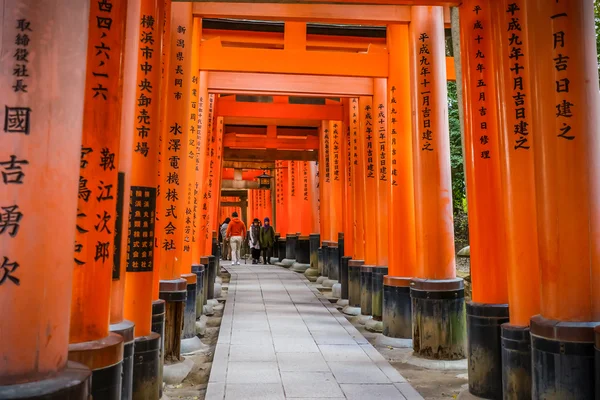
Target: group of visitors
[(261, 238)]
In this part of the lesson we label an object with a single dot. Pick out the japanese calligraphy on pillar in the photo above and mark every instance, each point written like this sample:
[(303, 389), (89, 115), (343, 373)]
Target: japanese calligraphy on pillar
[(305, 180), (355, 131), (393, 136), (424, 70), (17, 121), (561, 22), (142, 211), (293, 178), (349, 154), (480, 116), (519, 67), (140, 242), (336, 153), (173, 191), (209, 174), (382, 140), (95, 227), (326, 145), (370, 146)]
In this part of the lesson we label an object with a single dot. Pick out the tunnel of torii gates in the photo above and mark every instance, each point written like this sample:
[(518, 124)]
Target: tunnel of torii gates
[(154, 111)]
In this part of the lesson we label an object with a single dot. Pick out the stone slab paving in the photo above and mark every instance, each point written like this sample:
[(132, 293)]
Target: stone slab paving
[(280, 339)]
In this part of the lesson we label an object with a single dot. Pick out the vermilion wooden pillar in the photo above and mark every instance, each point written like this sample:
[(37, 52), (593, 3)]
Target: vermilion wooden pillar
[(139, 149), (382, 167), (325, 181), (37, 183), (205, 233), (306, 219), (368, 196), (313, 187), (432, 336), (337, 177), (200, 162), (347, 198), (567, 164), (282, 187), (358, 179), (91, 343), (397, 315), (520, 215), (488, 307), (173, 177)]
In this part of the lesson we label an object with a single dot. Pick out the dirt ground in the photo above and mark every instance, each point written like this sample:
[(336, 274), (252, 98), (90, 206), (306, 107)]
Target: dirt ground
[(431, 384), (194, 386)]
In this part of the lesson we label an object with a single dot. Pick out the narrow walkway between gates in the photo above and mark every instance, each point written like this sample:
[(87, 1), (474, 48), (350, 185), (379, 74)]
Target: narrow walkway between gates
[(280, 339)]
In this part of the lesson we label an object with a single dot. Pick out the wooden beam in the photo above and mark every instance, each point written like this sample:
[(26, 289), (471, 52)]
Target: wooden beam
[(268, 155), (278, 110), (271, 121), (234, 203), (249, 165), (215, 57), (332, 13), (269, 40), (302, 85), (262, 130), (233, 141), (241, 194)]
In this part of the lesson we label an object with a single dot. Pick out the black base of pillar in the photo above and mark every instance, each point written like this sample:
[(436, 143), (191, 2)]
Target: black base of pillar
[(320, 261), (366, 289), (281, 248), (354, 282), (562, 355), (126, 329), (174, 293), (333, 261), (189, 312), (107, 382), (147, 378), (325, 257), (72, 383), (516, 362), (303, 250), (290, 246), (344, 276), (199, 270), (397, 308), (314, 243), (212, 275), (438, 319), (377, 292), (158, 327), (484, 350)]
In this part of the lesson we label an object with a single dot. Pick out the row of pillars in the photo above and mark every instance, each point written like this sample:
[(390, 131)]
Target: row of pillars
[(110, 164), (532, 157)]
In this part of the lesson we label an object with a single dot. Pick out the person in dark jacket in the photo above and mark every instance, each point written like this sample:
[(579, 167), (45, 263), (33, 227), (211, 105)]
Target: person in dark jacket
[(223, 239), (255, 240), (267, 239)]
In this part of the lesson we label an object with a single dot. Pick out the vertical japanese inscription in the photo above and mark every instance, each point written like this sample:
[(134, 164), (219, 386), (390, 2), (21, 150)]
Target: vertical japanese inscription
[(424, 70), (17, 120), (336, 153), (369, 142), (97, 204), (519, 69), (393, 136), (305, 179), (326, 145), (561, 22), (480, 113), (175, 146), (382, 138), (140, 237)]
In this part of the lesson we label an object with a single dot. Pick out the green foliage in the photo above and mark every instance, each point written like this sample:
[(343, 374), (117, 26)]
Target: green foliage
[(597, 17), (459, 196)]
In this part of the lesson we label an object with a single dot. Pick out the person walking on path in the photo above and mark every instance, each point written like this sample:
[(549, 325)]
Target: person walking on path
[(267, 239), (255, 240), (236, 233), (223, 237)]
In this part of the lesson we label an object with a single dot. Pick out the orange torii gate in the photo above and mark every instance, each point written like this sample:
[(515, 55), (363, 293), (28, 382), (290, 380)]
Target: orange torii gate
[(531, 95)]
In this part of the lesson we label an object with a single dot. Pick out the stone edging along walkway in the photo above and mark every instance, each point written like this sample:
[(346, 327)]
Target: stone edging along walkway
[(281, 339)]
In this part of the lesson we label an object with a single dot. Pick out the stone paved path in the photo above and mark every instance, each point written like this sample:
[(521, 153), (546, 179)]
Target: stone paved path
[(280, 339)]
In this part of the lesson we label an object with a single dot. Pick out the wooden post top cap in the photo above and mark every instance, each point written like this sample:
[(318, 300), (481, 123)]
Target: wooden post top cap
[(396, 281), (191, 279), (356, 263)]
